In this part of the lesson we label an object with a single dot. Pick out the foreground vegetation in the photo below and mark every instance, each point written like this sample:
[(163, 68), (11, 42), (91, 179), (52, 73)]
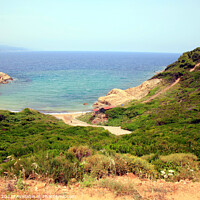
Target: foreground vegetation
[(81, 162), (164, 143)]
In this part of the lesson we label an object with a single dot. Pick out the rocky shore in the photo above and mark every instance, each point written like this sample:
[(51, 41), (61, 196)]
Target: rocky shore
[(4, 78), (117, 97)]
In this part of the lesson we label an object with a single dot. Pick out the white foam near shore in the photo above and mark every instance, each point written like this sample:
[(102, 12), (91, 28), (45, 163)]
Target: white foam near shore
[(66, 113), (55, 113)]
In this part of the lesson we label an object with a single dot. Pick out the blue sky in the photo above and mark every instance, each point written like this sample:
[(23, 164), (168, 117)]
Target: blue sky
[(101, 25)]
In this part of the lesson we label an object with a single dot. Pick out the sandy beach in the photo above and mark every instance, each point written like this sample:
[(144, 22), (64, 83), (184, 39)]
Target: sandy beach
[(70, 119)]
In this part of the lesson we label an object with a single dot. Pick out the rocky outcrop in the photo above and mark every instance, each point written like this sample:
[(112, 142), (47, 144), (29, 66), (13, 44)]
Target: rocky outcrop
[(4, 78), (117, 97), (143, 89), (100, 118)]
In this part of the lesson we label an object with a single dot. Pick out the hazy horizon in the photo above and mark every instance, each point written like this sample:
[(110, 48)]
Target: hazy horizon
[(22, 49), (92, 25)]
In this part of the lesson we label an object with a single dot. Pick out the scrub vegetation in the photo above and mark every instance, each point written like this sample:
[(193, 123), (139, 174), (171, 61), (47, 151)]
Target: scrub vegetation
[(164, 143)]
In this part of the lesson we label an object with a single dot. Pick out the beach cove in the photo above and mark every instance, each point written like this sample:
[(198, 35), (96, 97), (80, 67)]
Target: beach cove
[(61, 82)]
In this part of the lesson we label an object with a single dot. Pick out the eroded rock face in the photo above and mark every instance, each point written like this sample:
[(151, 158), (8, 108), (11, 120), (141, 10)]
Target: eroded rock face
[(143, 89), (114, 97), (4, 78), (117, 97)]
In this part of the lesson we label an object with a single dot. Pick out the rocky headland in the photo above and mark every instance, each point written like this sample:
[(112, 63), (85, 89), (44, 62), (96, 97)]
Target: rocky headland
[(4, 78), (117, 97)]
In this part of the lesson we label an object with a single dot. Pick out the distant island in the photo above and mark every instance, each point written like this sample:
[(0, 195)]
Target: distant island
[(6, 48)]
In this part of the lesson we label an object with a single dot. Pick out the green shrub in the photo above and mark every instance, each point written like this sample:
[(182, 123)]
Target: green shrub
[(99, 165), (177, 166), (44, 166), (61, 170), (120, 188), (115, 112), (87, 117), (80, 152), (180, 159), (121, 166), (127, 163), (107, 152), (88, 181), (150, 157)]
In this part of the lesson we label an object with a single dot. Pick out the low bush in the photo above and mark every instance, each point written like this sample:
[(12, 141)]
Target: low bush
[(150, 157), (138, 166), (177, 166), (180, 159), (99, 165), (88, 181), (80, 152), (120, 188), (44, 166), (87, 117)]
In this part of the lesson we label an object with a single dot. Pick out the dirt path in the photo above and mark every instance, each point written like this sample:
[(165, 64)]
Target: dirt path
[(197, 65), (71, 120), (162, 91), (170, 86)]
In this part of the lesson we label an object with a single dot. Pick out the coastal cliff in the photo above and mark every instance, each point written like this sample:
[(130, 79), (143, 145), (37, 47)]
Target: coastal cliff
[(117, 97), (4, 78)]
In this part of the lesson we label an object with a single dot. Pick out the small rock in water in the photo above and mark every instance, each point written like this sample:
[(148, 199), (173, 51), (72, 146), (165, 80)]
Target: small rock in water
[(4, 78)]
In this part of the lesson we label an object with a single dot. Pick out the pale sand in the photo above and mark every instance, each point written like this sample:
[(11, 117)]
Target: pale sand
[(70, 119)]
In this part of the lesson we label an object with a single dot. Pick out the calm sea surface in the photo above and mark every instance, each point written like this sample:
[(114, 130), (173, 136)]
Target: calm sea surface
[(62, 81)]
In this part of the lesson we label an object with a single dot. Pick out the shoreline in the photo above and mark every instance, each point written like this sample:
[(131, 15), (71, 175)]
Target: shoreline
[(65, 113), (52, 113), (68, 118)]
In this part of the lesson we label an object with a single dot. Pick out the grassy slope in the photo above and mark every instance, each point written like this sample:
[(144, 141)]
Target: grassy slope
[(29, 131), (169, 123)]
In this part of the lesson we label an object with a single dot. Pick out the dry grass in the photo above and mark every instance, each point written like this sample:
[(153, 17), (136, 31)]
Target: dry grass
[(120, 188), (127, 187)]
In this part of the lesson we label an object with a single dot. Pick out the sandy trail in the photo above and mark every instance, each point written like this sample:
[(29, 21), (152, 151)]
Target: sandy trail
[(71, 120), (162, 91), (197, 65), (170, 86)]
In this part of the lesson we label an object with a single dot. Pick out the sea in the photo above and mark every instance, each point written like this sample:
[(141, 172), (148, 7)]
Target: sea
[(62, 82)]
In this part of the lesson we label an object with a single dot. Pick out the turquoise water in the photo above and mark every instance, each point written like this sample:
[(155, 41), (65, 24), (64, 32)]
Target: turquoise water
[(56, 82)]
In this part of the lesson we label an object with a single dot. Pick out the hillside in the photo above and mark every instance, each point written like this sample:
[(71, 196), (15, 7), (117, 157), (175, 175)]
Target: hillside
[(164, 143), (164, 123)]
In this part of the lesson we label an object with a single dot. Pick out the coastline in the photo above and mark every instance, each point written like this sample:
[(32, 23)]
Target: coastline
[(63, 94), (68, 118), (65, 113), (54, 113)]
